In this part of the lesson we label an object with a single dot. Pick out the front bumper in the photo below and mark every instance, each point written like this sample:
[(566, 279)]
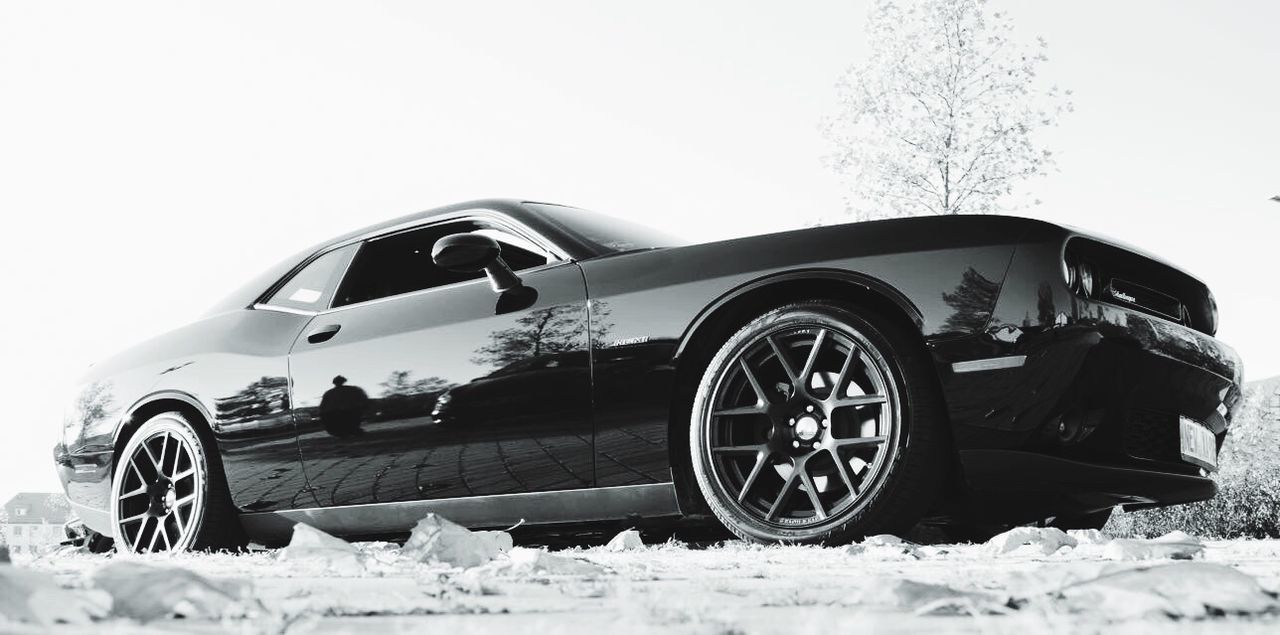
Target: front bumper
[(1090, 419), (1024, 486), (86, 478)]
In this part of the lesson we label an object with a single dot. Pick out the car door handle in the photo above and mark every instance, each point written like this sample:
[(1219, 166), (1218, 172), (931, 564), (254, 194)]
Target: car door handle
[(323, 334)]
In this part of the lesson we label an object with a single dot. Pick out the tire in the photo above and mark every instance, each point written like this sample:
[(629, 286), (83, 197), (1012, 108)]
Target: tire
[(169, 492), (768, 441)]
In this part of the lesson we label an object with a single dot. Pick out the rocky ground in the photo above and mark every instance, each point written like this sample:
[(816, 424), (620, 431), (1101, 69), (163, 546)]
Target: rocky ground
[(447, 578)]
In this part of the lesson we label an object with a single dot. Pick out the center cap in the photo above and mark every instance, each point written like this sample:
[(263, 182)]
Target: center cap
[(807, 428)]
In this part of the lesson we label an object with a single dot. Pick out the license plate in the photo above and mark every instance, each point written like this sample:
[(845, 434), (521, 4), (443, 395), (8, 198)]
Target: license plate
[(1198, 444)]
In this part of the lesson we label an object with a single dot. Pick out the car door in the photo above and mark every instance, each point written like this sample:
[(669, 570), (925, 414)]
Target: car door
[(421, 383)]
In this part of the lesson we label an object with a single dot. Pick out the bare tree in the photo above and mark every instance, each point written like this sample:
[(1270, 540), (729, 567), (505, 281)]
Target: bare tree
[(940, 118), (550, 331)]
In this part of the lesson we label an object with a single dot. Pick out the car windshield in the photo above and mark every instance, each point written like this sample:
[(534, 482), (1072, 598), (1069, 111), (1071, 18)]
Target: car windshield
[(609, 232)]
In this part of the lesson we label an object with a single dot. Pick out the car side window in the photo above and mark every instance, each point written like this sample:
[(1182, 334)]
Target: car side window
[(311, 288), (401, 263)]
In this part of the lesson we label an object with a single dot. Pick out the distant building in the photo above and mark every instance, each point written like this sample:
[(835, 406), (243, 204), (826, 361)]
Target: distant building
[(33, 521)]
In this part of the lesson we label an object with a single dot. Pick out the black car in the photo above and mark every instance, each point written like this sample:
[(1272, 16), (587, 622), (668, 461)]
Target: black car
[(505, 361)]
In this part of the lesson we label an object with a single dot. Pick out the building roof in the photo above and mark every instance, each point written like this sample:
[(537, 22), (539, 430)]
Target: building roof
[(35, 508)]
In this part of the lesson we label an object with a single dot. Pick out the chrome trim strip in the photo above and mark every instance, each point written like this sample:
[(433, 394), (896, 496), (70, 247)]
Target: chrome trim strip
[(282, 309), (500, 218), (992, 363), (496, 511)]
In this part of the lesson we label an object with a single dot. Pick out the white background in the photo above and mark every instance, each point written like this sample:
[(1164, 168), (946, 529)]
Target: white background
[(155, 155)]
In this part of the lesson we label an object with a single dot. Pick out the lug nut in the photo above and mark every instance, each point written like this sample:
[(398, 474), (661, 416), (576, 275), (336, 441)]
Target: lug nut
[(808, 409), (792, 421), (795, 444)]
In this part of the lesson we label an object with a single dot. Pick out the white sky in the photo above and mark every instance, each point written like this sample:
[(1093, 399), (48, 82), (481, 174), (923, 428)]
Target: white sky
[(154, 155)]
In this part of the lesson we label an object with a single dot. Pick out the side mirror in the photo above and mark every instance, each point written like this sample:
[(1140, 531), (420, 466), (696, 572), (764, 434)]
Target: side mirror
[(468, 253)]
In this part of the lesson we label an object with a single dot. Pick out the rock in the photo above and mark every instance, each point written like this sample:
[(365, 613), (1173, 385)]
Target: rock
[(314, 546), (1089, 536), (1042, 540), (522, 561), (1175, 545), (924, 598), (35, 598), (147, 592), (628, 540), (436, 539), (884, 540), (884, 547), (1184, 589)]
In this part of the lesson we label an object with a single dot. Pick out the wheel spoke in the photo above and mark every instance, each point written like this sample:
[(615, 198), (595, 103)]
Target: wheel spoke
[(164, 532), (141, 489), (812, 489), (164, 450), (858, 441), (130, 519), (741, 410), (183, 474), (184, 500), (740, 449), (137, 537), (837, 389), (155, 533), (762, 398), (783, 495), (154, 463), (142, 480), (177, 519), (809, 363), (843, 468), (859, 400), (761, 460), (782, 359)]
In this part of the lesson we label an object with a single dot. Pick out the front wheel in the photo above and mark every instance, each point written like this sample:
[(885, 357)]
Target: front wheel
[(818, 423), (168, 493)]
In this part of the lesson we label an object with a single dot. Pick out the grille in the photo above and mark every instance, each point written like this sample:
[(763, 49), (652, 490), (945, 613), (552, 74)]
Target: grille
[(1130, 279), (1152, 435), (1149, 300)]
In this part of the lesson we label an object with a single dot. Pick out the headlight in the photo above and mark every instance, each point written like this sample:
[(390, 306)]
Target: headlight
[(1069, 274), (1085, 273)]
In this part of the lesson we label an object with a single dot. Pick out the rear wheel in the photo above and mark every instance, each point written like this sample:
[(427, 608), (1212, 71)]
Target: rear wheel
[(817, 423), (168, 493)]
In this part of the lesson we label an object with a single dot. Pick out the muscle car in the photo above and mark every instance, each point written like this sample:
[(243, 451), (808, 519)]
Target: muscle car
[(505, 361)]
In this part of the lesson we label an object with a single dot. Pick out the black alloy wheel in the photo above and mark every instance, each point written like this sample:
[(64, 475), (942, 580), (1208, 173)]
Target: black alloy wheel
[(168, 494), (817, 423)]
